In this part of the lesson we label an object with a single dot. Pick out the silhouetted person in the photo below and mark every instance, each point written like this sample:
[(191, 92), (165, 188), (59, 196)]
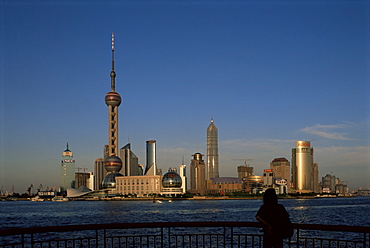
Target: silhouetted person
[(272, 215)]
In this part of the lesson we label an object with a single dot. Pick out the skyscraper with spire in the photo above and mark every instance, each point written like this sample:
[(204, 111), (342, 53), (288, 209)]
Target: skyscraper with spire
[(112, 163), (212, 151)]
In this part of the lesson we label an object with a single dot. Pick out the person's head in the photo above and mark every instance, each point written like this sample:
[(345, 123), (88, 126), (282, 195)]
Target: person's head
[(270, 197)]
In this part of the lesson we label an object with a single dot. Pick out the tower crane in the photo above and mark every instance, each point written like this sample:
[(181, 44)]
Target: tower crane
[(29, 189), (40, 188), (243, 159)]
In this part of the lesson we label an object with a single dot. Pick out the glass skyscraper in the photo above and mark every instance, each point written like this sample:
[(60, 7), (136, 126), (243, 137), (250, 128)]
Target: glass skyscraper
[(212, 151)]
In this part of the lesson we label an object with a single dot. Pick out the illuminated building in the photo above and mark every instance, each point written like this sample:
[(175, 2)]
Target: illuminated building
[(212, 151), (253, 184), (304, 170)]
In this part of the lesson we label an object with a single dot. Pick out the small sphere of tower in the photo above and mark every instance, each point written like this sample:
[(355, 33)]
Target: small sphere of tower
[(112, 99), (113, 164)]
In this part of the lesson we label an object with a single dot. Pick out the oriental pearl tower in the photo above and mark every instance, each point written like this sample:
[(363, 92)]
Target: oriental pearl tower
[(112, 163)]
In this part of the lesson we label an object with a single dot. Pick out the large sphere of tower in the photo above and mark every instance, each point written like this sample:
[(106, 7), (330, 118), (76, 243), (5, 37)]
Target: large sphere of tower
[(113, 164), (112, 99)]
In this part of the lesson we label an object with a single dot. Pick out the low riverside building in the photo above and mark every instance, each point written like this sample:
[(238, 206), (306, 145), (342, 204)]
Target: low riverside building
[(139, 185), (171, 184), (223, 185)]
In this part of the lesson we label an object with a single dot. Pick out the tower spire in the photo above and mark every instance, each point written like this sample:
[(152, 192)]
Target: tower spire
[(113, 73)]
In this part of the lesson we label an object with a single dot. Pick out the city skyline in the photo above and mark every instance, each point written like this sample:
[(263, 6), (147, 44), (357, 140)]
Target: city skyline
[(269, 73)]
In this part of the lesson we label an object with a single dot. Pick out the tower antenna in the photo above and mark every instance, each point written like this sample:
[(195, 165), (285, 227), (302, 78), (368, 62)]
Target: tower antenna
[(113, 73)]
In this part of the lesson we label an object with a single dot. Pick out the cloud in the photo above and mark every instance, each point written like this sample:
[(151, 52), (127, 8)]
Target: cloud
[(326, 131)]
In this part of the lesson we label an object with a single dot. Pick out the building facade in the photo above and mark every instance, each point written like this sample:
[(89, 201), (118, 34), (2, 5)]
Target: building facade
[(67, 170), (224, 185), (139, 185), (197, 175), (212, 151)]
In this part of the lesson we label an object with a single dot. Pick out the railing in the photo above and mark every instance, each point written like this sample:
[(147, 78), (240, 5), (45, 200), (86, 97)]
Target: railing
[(180, 234)]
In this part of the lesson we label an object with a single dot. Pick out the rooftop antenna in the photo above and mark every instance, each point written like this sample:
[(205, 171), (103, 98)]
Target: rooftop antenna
[(113, 73)]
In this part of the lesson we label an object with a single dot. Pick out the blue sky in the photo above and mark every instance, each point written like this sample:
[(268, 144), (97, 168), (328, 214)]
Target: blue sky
[(269, 73)]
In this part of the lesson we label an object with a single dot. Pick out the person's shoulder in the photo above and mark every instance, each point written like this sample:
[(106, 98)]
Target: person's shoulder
[(282, 208)]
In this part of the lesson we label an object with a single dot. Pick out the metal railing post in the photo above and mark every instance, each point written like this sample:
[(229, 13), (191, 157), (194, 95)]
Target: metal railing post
[(297, 238)]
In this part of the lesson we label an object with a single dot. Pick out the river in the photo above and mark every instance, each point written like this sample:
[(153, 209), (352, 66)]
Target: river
[(332, 211)]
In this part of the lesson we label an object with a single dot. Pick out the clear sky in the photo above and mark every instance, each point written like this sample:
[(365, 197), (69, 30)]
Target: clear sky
[(269, 73)]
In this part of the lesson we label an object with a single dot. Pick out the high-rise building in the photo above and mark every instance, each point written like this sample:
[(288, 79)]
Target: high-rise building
[(67, 172), (151, 166), (183, 177), (130, 162), (82, 179), (304, 171), (315, 177), (281, 168), (244, 171), (99, 171), (112, 163), (197, 175), (212, 151)]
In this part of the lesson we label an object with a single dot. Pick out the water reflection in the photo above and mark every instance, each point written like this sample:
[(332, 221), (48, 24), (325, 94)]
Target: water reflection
[(347, 211)]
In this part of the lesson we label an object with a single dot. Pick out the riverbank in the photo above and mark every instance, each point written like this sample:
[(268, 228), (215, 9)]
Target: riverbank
[(195, 198)]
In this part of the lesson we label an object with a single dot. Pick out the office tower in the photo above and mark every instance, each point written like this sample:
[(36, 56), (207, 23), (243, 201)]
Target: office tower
[(183, 177), (328, 183), (212, 151), (315, 177), (303, 168), (281, 168), (197, 174), (151, 166), (99, 171), (130, 162), (67, 172), (91, 181), (112, 163)]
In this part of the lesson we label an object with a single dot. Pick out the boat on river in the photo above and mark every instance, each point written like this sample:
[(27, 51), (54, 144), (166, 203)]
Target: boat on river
[(60, 199)]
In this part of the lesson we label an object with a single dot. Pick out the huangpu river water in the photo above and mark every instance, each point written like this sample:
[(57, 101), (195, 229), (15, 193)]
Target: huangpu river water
[(332, 211)]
